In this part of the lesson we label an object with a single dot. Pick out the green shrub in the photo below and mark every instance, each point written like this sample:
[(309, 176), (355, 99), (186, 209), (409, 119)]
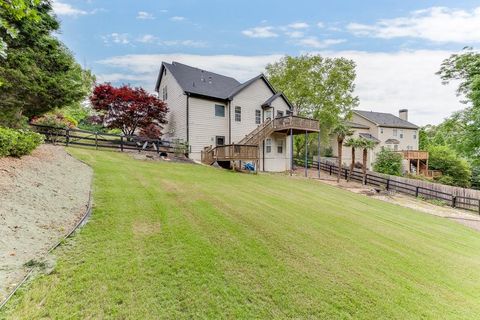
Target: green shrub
[(388, 162), (17, 143), (456, 171), (56, 120)]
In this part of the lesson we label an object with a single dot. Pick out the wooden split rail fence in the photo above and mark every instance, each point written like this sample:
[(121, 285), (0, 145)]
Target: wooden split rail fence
[(69, 136), (455, 197)]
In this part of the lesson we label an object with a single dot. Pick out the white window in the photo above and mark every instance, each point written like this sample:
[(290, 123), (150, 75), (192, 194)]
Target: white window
[(220, 140), (395, 132), (164, 93), (238, 114), (401, 134), (268, 145), (268, 114), (395, 147), (415, 135), (258, 116), (280, 146), (219, 110), (279, 114), (381, 130)]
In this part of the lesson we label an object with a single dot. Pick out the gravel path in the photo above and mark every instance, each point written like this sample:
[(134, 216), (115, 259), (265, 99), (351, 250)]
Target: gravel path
[(42, 197)]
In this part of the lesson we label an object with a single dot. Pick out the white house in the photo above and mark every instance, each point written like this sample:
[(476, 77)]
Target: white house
[(227, 120), (388, 131)]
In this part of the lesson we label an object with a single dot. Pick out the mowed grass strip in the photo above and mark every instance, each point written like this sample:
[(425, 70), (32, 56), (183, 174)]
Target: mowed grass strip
[(169, 240)]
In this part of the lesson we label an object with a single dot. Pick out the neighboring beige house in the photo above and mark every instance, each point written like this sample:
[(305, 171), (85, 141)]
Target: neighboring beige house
[(387, 130), (224, 120)]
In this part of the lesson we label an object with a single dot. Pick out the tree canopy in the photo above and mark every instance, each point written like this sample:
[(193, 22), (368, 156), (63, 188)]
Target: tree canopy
[(39, 73), (318, 87)]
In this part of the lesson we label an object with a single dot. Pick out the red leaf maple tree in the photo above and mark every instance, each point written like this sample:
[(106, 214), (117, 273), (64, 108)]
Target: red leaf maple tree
[(127, 108)]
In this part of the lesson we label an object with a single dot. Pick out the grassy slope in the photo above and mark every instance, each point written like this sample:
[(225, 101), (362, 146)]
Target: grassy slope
[(180, 241)]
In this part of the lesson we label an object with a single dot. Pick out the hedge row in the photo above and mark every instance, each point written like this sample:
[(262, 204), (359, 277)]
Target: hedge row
[(17, 143)]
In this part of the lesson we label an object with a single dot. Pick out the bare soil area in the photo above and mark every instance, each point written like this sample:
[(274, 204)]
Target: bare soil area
[(42, 197), (465, 217)]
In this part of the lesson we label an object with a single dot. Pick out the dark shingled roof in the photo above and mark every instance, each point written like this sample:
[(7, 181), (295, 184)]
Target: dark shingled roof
[(369, 137), (201, 82), (386, 119), (356, 125)]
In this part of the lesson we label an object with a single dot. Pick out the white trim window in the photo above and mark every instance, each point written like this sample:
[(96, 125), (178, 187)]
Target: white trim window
[(164, 93), (238, 114), (395, 132), (401, 134), (268, 145), (280, 146), (258, 116), (415, 135)]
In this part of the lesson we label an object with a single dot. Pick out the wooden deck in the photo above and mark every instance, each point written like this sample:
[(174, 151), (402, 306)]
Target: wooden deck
[(414, 154), (230, 152), (295, 123)]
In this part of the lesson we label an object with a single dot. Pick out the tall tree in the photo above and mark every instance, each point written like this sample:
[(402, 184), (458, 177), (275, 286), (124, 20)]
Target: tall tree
[(39, 72), (340, 131), (318, 87), (366, 145), (353, 143), (128, 108)]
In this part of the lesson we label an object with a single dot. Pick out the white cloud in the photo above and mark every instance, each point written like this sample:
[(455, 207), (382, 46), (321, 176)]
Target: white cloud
[(298, 25), (314, 42), (260, 32), (295, 34), (117, 38), (178, 18), (437, 24), (143, 15), (385, 82), (321, 25), (147, 38), (185, 43), (65, 9)]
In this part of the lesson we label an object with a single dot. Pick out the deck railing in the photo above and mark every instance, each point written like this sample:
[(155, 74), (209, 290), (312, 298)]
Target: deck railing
[(295, 122), (414, 154), (235, 152)]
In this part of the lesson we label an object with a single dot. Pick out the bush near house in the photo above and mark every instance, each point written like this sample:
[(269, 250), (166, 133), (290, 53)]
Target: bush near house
[(56, 120), (456, 170), (388, 162), (17, 143)]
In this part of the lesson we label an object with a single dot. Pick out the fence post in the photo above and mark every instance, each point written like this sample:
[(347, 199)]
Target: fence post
[(96, 140), (67, 136), (388, 184), (330, 169), (365, 181), (121, 143), (346, 172), (454, 201), (416, 192)]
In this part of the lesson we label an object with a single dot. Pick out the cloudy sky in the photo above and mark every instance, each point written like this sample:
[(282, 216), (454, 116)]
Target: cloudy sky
[(397, 45)]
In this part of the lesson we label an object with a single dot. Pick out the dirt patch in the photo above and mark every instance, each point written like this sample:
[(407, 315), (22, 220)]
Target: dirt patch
[(464, 217), (152, 156), (42, 197), (142, 228)]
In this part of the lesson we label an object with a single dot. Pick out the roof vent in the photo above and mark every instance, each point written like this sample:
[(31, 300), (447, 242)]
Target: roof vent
[(202, 78), (210, 80)]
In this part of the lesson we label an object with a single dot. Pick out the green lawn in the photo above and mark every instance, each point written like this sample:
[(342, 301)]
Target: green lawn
[(177, 241)]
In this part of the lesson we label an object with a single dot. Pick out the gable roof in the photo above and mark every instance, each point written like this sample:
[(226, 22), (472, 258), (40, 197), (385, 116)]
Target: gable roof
[(368, 136), (356, 125), (198, 81), (209, 84), (385, 119)]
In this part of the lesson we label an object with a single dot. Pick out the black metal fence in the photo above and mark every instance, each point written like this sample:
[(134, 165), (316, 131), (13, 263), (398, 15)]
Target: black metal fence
[(69, 136), (389, 183)]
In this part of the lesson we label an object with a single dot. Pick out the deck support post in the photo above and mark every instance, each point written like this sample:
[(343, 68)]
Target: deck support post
[(418, 167), (306, 153), (318, 155), (291, 151)]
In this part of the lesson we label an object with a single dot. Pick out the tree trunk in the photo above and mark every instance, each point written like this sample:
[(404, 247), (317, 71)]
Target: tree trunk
[(340, 146), (352, 165), (364, 167)]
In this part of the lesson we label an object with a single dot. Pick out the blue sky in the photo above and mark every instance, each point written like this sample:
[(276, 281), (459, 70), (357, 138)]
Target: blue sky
[(398, 45)]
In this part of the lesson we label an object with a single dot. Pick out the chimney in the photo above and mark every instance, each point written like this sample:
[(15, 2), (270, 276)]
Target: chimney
[(403, 114)]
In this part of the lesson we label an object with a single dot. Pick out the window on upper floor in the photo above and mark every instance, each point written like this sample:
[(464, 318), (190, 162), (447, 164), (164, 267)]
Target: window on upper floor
[(279, 114), (268, 114), (401, 134), (258, 116), (395, 132), (238, 114), (219, 110), (381, 130), (220, 140), (415, 135), (164, 93), (268, 145)]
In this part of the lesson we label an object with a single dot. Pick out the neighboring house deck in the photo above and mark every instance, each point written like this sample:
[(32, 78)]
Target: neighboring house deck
[(226, 121), (387, 131)]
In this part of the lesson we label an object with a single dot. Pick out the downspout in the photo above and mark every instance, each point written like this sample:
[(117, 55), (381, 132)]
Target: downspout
[(188, 123), (229, 122)]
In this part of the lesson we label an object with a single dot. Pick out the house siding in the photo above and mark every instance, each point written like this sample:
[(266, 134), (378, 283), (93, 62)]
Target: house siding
[(176, 128)]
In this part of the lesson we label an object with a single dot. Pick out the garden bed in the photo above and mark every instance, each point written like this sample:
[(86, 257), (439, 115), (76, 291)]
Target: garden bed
[(42, 196)]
